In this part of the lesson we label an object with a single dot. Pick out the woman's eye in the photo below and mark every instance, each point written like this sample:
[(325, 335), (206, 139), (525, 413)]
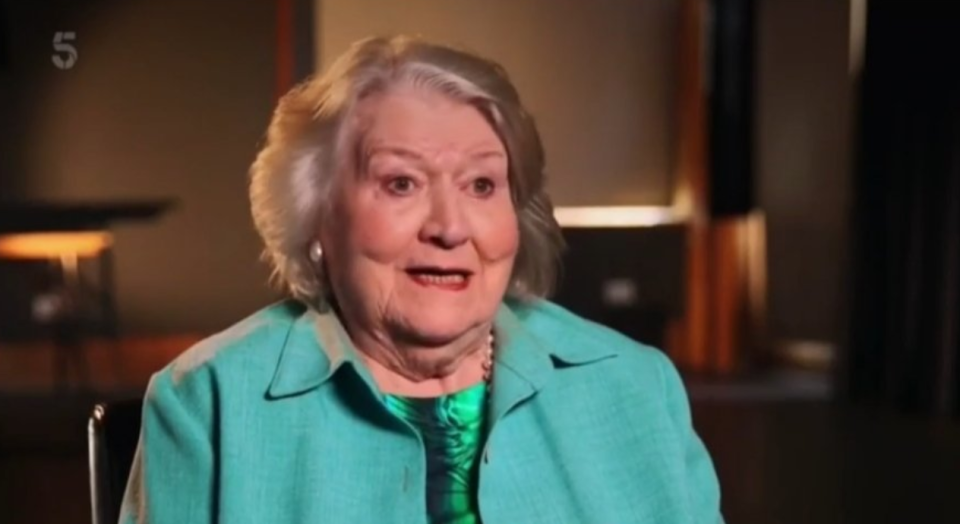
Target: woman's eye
[(401, 185), (483, 186)]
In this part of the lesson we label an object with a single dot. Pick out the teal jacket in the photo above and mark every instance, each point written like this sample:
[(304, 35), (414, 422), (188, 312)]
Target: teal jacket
[(277, 421)]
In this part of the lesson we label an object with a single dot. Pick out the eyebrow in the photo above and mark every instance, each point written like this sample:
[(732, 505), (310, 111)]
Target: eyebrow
[(413, 155), (394, 150)]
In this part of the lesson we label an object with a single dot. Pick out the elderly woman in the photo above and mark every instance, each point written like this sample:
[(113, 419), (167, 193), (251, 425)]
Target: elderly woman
[(417, 374)]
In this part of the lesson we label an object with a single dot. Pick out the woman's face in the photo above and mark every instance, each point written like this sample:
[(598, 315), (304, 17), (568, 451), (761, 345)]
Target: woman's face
[(424, 232)]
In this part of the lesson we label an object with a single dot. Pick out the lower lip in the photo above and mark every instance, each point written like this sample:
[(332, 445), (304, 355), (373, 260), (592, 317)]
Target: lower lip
[(459, 285)]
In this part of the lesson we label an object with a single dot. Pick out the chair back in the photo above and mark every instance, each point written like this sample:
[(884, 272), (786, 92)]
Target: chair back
[(113, 433)]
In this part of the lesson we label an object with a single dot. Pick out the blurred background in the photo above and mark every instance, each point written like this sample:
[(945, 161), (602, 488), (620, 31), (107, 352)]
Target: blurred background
[(767, 190)]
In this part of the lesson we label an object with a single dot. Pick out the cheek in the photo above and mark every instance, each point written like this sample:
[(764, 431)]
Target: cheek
[(379, 233), (499, 235), (364, 243), (377, 238)]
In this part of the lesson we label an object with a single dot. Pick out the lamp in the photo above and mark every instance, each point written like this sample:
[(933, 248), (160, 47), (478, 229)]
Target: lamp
[(57, 244), (68, 236), (617, 216)]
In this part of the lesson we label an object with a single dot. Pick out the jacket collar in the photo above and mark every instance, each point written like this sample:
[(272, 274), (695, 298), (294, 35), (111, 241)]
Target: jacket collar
[(317, 346)]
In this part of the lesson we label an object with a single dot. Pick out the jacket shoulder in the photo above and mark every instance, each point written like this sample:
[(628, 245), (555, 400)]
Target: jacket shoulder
[(258, 338)]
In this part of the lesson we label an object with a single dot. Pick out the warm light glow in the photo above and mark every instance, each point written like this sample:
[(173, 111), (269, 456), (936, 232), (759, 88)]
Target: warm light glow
[(54, 245), (858, 37), (617, 216), (811, 354)]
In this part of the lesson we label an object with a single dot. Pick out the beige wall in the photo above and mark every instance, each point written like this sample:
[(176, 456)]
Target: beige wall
[(597, 76), (168, 99)]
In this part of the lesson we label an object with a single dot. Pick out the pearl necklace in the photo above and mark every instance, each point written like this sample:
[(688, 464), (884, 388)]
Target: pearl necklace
[(488, 361)]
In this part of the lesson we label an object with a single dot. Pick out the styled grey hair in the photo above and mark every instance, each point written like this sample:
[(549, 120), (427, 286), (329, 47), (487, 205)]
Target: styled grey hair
[(308, 143)]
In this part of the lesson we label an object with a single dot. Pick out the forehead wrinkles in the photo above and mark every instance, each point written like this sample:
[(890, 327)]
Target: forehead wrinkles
[(417, 144), (436, 153)]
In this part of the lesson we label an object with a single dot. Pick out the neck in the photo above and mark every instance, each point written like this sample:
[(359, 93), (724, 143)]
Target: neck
[(416, 371)]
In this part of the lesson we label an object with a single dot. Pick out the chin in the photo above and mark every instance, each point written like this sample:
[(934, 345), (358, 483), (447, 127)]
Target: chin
[(439, 327)]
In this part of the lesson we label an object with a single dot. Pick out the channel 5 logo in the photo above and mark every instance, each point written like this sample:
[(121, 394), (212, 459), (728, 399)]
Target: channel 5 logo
[(64, 52)]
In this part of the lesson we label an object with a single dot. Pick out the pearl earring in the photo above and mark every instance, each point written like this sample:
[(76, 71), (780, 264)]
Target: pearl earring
[(315, 252)]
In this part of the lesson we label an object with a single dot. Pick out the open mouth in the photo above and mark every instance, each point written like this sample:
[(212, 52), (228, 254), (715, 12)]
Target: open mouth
[(446, 278)]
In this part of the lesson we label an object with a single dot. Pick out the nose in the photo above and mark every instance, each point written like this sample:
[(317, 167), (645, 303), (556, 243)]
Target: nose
[(445, 226)]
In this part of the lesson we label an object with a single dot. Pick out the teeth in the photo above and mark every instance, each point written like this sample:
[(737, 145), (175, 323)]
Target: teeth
[(441, 279)]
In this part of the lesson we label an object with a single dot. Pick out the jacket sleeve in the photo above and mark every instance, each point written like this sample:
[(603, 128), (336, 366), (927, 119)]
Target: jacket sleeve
[(702, 486), (174, 479)]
